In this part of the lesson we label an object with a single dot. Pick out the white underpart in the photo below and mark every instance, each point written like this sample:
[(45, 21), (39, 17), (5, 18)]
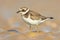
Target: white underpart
[(35, 22)]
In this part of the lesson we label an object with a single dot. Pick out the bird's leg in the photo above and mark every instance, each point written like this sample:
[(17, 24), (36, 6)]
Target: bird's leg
[(30, 27), (34, 29), (38, 28)]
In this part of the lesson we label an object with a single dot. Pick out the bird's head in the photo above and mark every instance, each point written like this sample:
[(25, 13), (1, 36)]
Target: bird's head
[(23, 10)]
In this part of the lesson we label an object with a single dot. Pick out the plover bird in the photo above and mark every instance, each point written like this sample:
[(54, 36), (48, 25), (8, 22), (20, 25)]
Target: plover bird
[(31, 17)]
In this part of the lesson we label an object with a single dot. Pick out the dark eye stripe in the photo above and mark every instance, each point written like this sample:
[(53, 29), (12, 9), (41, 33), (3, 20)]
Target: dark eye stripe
[(23, 10)]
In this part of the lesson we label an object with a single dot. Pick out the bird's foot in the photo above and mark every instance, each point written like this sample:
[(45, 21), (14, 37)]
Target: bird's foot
[(36, 31)]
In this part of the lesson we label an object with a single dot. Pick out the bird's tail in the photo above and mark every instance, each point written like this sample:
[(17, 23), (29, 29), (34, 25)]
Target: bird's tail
[(50, 17)]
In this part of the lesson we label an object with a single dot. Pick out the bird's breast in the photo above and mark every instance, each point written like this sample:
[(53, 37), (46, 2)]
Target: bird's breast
[(29, 20)]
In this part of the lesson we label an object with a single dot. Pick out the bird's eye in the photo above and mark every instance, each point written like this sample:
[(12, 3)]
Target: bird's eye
[(23, 10)]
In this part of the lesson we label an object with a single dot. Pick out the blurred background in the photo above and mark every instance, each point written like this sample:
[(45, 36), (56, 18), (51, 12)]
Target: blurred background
[(10, 20)]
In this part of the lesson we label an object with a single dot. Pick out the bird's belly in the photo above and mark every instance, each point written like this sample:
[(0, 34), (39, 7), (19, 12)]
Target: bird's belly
[(29, 20)]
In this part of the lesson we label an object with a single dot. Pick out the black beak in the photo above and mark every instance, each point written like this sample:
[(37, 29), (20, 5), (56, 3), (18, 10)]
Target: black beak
[(17, 11)]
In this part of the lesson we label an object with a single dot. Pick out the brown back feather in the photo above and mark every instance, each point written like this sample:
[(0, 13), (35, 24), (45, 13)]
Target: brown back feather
[(34, 15)]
